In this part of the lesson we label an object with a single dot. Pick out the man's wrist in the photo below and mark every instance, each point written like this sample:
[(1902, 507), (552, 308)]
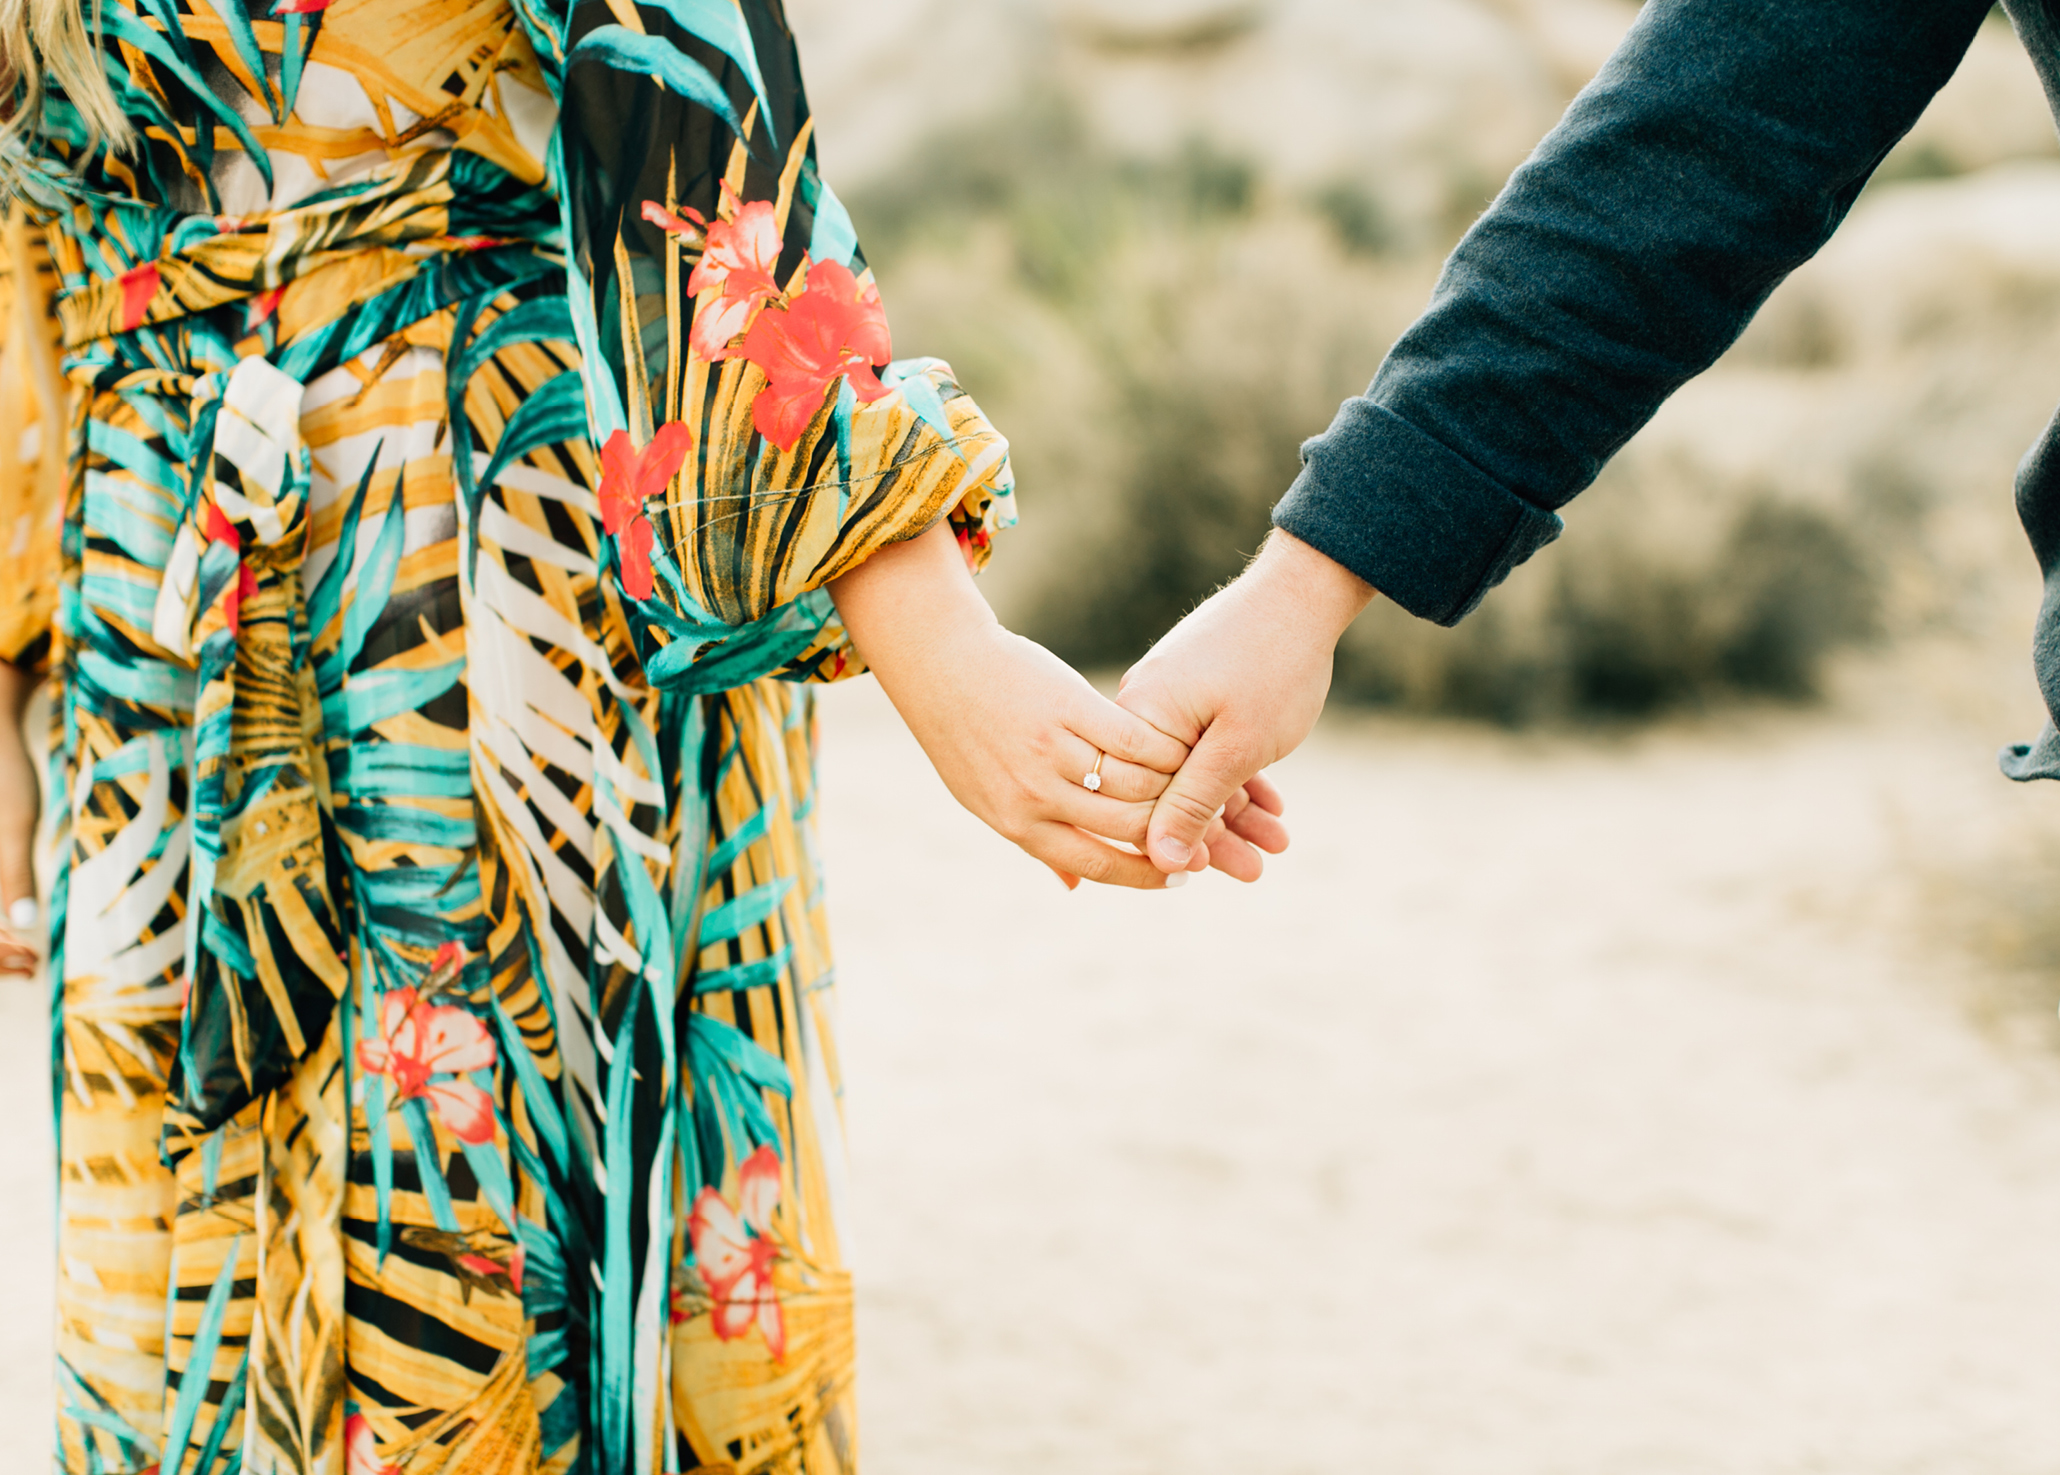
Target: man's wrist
[(1323, 595)]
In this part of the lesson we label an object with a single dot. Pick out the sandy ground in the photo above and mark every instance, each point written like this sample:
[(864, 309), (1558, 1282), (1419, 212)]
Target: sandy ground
[(1547, 1108), (1550, 1107)]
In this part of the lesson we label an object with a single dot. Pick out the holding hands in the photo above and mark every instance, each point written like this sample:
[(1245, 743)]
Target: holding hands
[(1013, 731)]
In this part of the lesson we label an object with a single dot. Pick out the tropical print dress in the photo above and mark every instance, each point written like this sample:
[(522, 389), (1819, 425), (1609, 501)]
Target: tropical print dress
[(422, 458)]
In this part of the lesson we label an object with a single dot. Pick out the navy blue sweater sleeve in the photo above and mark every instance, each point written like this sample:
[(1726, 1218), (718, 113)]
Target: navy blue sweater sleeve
[(1717, 150)]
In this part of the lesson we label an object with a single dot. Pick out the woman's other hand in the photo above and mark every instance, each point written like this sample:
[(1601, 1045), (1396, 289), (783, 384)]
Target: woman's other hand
[(20, 944), (1011, 729)]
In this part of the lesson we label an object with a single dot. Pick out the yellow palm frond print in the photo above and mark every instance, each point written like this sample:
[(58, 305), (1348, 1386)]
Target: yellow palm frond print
[(422, 460)]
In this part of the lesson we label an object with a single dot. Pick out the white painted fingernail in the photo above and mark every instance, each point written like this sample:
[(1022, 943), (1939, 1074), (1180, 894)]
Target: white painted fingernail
[(23, 911), (1178, 878)]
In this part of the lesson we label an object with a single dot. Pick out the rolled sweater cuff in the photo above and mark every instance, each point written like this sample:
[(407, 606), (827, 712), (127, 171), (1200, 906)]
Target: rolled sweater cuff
[(1420, 523)]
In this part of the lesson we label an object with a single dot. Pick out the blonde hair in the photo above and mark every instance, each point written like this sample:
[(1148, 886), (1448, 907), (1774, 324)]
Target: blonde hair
[(46, 43)]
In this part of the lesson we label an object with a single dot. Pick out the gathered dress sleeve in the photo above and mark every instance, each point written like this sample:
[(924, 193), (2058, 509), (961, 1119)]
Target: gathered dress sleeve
[(756, 436), (32, 445)]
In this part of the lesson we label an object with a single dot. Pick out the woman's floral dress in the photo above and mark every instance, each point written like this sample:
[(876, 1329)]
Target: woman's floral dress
[(421, 462)]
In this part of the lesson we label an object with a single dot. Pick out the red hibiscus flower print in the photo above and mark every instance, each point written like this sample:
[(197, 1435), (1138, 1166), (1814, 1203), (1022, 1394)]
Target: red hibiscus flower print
[(261, 308), (692, 224), (741, 253), (630, 478), (444, 967), (417, 1041), (734, 1251), (221, 530), (487, 1269), (473, 1258), (830, 331), (361, 1449), (139, 285)]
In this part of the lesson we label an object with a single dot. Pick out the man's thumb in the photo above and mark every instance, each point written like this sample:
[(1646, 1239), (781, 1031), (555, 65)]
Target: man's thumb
[(1212, 773)]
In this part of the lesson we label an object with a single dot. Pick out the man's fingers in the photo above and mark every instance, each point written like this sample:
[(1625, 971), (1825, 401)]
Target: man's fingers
[(1261, 829), (1064, 848), (1265, 793), (1214, 771), (1230, 855)]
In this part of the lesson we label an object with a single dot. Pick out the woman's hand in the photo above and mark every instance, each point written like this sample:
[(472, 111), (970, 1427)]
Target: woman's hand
[(19, 944), (1011, 728)]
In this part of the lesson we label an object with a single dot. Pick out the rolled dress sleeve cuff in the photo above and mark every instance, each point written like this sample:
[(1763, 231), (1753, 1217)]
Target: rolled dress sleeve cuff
[(1413, 518)]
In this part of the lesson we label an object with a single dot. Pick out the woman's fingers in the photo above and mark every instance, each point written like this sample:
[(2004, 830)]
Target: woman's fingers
[(1117, 778), (1121, 734), (1120, 810), (1098, 814), (16, 957), (1066, 849)]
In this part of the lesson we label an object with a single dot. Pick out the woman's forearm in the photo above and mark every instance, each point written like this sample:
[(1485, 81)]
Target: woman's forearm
[(909, 605)]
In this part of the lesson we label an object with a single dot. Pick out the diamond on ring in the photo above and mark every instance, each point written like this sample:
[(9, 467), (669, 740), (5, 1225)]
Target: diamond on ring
[(1092, 783)]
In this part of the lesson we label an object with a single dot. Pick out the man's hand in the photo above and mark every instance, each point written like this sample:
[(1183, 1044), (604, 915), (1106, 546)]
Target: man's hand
[(1241, 681)]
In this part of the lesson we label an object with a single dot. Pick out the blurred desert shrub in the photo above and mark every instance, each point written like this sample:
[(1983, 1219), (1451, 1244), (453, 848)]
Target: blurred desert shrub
[(1157, 332), (1626, 623), (1155, 336)]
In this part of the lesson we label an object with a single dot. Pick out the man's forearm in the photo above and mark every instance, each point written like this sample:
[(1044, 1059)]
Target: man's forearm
[(1718, 150)]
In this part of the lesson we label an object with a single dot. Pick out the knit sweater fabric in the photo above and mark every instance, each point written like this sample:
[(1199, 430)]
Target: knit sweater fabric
[(1717, 150)]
